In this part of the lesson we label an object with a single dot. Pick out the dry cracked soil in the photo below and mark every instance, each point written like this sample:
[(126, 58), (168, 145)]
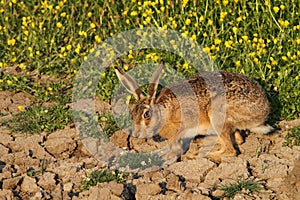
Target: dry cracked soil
[(51, 166)]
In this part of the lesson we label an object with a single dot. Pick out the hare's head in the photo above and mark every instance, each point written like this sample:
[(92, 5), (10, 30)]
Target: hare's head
[(147, 116)]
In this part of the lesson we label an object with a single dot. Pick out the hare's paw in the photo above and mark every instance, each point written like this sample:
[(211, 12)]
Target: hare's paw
[(170, 153), (216, 156)]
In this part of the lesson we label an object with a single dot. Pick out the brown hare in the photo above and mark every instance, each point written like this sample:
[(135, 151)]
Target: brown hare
[(220, 102)]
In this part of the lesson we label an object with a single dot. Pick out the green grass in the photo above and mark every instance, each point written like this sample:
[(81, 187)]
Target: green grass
[(92, 177), (242, 186), (139, 161), (37, 119), (293, 137), (52, 39)]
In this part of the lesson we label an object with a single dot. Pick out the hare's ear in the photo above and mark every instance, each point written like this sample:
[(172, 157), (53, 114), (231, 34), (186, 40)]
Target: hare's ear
[(130, 84), (153, 83)]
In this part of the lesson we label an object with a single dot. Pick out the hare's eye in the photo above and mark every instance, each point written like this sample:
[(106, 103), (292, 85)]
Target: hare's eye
[(147, 114)]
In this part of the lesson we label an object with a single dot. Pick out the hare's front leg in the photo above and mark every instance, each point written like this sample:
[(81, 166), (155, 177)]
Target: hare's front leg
[(177, 146), (226, 142)]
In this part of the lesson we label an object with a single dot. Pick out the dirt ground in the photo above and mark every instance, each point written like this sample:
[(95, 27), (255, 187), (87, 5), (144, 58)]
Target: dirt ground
[(51, 166)]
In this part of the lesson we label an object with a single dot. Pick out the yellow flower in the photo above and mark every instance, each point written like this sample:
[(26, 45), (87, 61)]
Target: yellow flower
[(245, 38), (26, 32), (217, 41), (89, 14), (9, 82), (62, 49), (210, 22), (194, 37), (284, 58), (185, 33), (187, 22), (206, 49), (274, 62), (283, 23), (63, 14), (126, 67), (82, 33), (238, 63), (184, 3), (21, 108), (228, 43), (225, 2), (77, 50), (201, 19), (298, 41), (276, 9), (255, 60), (69, 47), (59, 25), (22, 66), (205, 34), (239, 19), (11, 42), (98, 39), (147, 20), (185, 66), (133, 13), (282, 7), (92, 25), (222, 16), (235, 29)]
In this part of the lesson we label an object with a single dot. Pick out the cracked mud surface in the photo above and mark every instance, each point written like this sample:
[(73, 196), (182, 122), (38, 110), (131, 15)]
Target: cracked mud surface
[(50, 166)]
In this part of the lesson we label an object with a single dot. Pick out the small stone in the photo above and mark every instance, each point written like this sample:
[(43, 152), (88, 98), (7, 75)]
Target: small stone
[(47, 181), (37, 196), (3, 150), (116, 188), (61, 144), (6, 194), (193, 170), (145, 190), (68, 187), (120, 139), (11, 183), (229, 168), (174, 184), (192, 195), (57, 193), (29, 185)]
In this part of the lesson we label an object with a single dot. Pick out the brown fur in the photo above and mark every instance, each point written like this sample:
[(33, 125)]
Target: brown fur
[(175, 109)]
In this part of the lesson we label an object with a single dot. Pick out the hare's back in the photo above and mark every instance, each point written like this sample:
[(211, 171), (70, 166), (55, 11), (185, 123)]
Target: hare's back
[(237, 88)]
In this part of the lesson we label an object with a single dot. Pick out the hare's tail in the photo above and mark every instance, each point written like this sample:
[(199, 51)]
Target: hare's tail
[(262, 129)]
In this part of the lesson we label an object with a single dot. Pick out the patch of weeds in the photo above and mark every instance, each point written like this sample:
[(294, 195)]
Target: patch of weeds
[(108, 124), (37, 119), (89, 124), (242, 186), (292, 138), (91, 177), (141, 161), (55, 90)]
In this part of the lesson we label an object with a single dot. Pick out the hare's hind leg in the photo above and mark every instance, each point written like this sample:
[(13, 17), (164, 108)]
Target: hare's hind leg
[(226, 141)]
